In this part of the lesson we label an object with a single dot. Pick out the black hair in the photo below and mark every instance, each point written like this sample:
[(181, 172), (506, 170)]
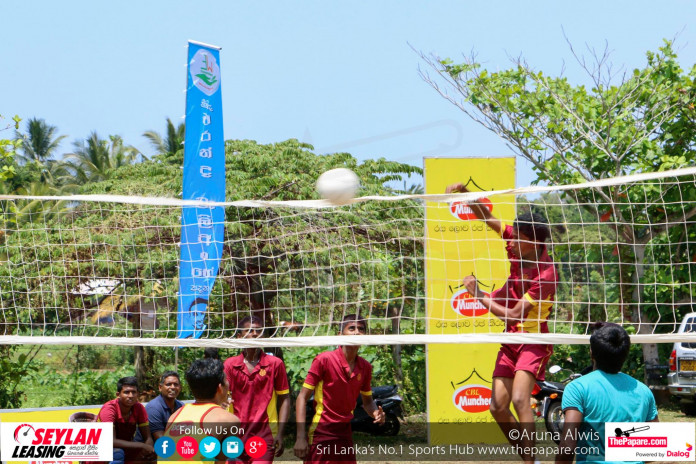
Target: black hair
[(211, 353), (204, 376), (250, 320), (533, 225), (609, 344), (353, 318), (129, 381), (169, 374)]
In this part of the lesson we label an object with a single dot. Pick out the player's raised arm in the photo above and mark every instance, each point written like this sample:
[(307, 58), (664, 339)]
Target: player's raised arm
[(481, 212)]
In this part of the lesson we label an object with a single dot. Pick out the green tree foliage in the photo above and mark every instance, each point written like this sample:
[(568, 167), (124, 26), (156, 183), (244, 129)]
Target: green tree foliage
[(8, 150), (172, 142), (276, 261), (40, 141), (641, 121), (13, 369), (96, 159)]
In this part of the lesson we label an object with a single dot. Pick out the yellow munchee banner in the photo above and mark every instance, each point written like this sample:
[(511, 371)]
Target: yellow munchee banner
[(457, 244)]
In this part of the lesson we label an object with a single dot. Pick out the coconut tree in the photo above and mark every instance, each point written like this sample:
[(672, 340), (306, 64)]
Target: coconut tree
[(40, 142), (95, 159), (173, 142)]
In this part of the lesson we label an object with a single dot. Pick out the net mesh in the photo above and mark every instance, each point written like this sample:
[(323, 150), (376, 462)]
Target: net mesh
[(102, 270)]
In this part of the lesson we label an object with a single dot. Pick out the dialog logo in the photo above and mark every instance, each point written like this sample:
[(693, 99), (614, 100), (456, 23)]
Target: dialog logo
[(472, 398), (44, 441), (649, 441), (205, 72), (465, 305), (461, 210)]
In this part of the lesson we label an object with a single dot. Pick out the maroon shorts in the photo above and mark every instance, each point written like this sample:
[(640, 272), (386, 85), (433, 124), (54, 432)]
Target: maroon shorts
[(530, 358)]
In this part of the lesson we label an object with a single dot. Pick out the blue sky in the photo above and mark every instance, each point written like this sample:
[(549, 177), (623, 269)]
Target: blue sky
[(340, 75)]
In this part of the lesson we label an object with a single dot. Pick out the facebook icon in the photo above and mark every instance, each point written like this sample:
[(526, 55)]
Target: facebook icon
[(164, 447)]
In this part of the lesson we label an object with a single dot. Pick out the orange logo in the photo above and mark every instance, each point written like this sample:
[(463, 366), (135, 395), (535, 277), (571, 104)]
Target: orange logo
[(359, 377), (464, 304), (262, 372), (463, 211), (472, 398)]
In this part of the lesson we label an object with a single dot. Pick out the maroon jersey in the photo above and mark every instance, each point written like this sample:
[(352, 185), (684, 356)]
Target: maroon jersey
[(255, 393), (124, 429), (536, 284), (336, 391)]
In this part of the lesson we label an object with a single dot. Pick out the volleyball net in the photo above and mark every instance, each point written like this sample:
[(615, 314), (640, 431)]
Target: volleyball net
[(105, 269)]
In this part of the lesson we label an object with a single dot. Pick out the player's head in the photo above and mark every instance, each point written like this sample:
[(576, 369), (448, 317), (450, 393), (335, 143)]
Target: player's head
[(212, 353), (533, 226), (353, 324), (250, 327), (127, 388), (126, 382), (609, 345), (170, 385), (207, 380), (529, 231)]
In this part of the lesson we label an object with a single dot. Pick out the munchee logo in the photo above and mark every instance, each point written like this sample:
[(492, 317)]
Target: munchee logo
[(472, 398), (463, 211), (464, 304), (205, 72)]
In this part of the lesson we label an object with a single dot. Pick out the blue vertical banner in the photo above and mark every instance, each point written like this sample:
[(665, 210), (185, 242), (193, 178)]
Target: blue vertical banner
[(202, 227)]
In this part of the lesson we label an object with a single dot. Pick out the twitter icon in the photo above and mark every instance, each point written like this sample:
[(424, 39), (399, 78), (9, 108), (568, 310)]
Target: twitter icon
[(209, 447)]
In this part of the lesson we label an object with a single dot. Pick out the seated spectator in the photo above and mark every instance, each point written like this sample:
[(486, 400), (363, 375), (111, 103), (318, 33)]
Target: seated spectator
[(127, 415), (160, 409)]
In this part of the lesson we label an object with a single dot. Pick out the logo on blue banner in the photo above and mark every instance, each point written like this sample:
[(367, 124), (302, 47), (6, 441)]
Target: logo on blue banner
[(202, 227)]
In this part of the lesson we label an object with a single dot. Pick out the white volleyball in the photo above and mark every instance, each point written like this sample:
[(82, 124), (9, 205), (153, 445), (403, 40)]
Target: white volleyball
[(338, 186)]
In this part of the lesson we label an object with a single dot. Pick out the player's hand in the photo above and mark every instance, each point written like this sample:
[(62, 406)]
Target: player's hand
[(379, 415), (278, 446), (471, 285), (147, 452), (301, 448), (456, 188)]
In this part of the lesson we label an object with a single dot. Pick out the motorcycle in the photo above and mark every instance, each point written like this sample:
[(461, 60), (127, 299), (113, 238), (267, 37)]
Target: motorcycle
[(386, 396), (550, 396)]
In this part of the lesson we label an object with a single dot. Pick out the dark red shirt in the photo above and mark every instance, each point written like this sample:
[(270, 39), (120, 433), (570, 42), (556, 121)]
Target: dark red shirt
[(255, 393), (536, 284), (123, 429), (336, 391)]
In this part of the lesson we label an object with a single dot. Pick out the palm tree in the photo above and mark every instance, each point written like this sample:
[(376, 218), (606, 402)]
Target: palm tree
[(173, 142), (95, 159), (40, 141)]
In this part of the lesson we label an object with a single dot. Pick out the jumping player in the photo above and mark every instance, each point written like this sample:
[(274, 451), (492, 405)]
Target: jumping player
[(260, 391), (336, 378), (524, 304)]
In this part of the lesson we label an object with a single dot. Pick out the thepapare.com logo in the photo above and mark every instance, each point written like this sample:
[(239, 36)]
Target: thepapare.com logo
[(51, 441)]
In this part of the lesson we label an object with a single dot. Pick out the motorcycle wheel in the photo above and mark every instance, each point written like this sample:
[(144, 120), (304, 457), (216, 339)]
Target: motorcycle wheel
[(554, 420), (391, 426)]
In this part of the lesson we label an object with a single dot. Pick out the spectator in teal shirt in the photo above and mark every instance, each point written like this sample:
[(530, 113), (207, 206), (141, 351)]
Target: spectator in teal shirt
[(604, 395)]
